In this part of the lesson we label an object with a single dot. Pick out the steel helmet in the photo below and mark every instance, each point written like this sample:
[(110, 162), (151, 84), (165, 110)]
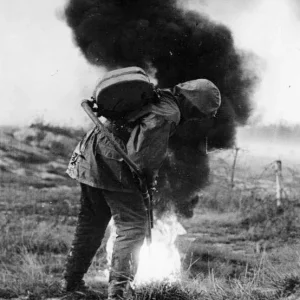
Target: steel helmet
[(199, 93)]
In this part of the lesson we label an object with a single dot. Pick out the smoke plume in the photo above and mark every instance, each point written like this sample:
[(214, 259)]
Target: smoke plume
[(181, 45)]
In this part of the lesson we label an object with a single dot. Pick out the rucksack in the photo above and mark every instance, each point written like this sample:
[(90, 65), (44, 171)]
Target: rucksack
[(122, 91)]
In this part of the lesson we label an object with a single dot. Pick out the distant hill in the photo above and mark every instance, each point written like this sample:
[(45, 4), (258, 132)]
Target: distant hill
[(37, 155)]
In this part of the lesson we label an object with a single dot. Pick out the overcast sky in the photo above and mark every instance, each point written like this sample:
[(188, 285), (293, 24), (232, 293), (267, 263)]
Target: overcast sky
[(43, 75)]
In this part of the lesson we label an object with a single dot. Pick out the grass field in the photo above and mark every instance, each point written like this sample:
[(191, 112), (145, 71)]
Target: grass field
[(238, 245)]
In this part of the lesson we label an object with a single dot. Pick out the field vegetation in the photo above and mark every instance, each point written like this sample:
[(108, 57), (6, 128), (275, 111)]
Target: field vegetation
[(239, 243)]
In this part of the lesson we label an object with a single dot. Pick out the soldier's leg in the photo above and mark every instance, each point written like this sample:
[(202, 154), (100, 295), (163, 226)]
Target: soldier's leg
[(129, 213), (92, 221)]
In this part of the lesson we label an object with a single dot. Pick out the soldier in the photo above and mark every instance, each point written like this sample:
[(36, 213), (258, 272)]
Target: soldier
[(109, 190)]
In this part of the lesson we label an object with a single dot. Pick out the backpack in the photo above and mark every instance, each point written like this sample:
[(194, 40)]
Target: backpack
[(122, 91)]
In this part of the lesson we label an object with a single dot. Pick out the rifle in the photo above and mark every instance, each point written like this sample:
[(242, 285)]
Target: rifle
[(142, 180)]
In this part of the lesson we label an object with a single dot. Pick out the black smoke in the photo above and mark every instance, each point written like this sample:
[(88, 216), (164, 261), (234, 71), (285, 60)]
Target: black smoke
[(181, 45)]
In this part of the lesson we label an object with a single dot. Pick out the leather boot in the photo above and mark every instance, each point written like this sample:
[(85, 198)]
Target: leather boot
[(118, 290), (76, 290)]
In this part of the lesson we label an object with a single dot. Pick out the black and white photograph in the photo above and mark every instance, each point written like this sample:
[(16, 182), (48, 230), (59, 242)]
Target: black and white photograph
[(150, 149)]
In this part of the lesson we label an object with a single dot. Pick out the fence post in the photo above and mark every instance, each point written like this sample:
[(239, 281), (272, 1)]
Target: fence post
[(233, 166), (278, 183)]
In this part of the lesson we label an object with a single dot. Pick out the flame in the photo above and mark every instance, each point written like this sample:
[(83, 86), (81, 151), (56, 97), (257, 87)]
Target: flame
[(110, 246), (160, 260)]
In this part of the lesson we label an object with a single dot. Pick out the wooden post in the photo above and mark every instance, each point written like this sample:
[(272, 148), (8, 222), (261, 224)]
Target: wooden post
[(278, 183), (233, 166)]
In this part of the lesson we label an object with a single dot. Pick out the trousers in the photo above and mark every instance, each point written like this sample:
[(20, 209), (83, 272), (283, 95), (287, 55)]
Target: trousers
[(97, 207)]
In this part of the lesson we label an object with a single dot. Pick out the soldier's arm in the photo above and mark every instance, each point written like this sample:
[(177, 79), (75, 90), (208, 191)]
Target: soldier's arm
[(148, 144)]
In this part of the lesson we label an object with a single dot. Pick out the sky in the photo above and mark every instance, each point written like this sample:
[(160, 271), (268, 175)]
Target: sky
[(43, 76)]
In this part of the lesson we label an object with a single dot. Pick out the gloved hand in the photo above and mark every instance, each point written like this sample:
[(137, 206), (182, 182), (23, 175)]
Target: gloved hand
[(152, 186), (151, 181)]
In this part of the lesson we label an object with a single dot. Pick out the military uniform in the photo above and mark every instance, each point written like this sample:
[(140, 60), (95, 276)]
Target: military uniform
[(108, 189)]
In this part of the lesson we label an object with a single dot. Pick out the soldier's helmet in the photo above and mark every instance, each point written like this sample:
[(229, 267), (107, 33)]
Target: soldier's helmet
[(199, 94)]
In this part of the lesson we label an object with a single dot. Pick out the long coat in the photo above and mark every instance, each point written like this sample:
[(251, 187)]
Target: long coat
[(143, 136)]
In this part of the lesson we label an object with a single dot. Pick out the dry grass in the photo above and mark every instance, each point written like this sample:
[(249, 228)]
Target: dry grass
[(239, 246)]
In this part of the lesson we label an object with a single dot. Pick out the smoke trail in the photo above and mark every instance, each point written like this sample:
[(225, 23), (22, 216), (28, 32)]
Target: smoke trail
[(181, 45)]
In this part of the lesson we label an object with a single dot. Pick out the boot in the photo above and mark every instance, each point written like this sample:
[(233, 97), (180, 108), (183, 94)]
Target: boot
[(120, 290), (76, 290), (77, 264)]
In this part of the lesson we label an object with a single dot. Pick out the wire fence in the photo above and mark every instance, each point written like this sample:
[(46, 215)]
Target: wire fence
[(237, 176)]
